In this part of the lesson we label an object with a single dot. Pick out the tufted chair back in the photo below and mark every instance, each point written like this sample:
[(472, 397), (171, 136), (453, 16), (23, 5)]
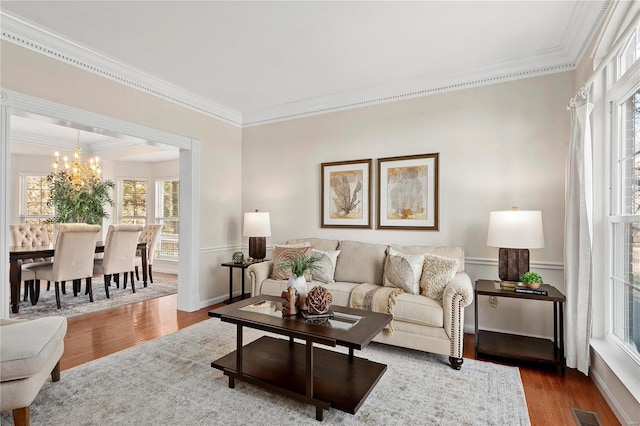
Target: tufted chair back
[(120, 249), (75, 246), (150, 235), (28, 235)]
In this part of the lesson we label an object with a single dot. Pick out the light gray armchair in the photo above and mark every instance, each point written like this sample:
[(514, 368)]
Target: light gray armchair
[(29, 353)]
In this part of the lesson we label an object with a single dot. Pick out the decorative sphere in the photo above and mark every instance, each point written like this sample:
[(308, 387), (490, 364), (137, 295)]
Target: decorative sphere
[(319, 300)]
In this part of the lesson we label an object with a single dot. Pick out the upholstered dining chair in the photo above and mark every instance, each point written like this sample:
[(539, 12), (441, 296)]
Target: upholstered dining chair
[(29, 235), (73, 260), (119, 254), (150, 235)]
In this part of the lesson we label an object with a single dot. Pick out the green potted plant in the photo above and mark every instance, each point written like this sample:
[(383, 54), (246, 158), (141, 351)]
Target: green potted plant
[(299, 263), (82, 201), (531, 279)]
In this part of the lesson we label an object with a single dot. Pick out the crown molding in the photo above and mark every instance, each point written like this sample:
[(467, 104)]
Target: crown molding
[(556, 59), (563, 57), (30, 36), (422, 86)]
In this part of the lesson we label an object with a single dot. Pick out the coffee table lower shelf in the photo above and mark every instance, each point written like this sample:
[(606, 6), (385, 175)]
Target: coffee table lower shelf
[(339, 381)]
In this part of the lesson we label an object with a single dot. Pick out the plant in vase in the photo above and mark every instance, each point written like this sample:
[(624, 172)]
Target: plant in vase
[(531, 279), (299, 263), (79, 200)]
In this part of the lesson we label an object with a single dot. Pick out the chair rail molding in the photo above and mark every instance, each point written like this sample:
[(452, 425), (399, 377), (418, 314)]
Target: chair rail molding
[(189, 267), (481, 261)]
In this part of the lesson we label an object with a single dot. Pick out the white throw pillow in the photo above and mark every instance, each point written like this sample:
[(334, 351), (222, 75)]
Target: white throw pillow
[(326, 265), (436, 274), (403, 271)]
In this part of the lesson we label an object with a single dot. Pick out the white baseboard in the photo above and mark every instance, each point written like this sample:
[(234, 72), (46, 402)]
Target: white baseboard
[(611, 399)]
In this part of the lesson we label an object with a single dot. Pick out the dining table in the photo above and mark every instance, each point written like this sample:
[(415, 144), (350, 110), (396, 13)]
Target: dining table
[(17, 254)]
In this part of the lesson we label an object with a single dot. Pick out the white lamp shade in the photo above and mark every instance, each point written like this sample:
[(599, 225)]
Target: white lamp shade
[(518, 229), (257, 224)]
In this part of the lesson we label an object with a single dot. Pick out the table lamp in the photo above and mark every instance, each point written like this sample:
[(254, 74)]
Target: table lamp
[(514, 232), (257, 226)]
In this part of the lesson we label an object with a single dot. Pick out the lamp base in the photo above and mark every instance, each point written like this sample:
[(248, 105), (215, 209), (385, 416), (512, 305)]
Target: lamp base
[(512, 263), (258, 248)]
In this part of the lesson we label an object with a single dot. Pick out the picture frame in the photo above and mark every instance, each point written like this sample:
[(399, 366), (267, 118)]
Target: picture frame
[(408, 192), (346, 194)]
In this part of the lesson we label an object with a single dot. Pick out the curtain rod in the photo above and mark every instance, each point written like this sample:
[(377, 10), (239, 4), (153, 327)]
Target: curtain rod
[(614, 49)]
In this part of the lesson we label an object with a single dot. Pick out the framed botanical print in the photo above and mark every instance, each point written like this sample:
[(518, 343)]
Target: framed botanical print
[(346, 194), (408, 192)]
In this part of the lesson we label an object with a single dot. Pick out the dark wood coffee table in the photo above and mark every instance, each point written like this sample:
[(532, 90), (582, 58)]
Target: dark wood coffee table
[(316, 376)]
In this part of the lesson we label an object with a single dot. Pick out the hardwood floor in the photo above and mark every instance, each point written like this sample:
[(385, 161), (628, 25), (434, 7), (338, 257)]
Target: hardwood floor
[(549, 395)]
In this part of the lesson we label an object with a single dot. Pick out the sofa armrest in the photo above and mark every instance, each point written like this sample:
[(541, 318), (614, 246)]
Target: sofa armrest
[(458, 294), (257, 273)]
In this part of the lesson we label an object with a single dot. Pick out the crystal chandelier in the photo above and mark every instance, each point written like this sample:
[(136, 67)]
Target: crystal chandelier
[(76, 171)]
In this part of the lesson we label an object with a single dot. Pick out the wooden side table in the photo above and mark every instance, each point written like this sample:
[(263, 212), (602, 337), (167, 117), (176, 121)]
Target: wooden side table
[(512, 347), (231, 266)]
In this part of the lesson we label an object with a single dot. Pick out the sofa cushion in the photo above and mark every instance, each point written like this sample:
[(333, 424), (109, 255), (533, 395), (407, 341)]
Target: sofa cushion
[(453, 252), (273, 287), (418, 309), (360, 262), (317, 243), (436, 274), (283, 252), (340, 292), (27, 346), (403, 271), (326, 266)]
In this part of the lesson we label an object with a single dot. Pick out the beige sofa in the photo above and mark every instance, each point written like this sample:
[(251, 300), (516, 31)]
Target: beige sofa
[(420, 322)]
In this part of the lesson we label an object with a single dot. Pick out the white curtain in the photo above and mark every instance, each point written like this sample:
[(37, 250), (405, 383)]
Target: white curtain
[(578, 235)]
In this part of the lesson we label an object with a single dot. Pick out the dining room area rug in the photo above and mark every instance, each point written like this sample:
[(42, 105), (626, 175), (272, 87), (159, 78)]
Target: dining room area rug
[(169, 381), (163, 285)]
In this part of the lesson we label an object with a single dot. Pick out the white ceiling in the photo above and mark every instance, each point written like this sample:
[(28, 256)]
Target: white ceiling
[(251, 62), (37, 135)]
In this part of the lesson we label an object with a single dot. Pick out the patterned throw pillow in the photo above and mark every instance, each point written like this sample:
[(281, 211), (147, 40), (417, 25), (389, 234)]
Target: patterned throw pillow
[(326, 265), (403, 271), (282, 253), (436, 274)]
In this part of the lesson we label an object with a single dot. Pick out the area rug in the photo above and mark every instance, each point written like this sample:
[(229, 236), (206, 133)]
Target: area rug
[(80, 305), (169, 381)]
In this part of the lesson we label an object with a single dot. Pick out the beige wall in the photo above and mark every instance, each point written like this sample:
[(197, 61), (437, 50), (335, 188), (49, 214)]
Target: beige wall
[(499, 145), (36, 75)]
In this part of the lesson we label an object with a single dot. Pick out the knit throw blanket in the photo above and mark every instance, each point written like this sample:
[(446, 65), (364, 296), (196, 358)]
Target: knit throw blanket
[(376, 298)]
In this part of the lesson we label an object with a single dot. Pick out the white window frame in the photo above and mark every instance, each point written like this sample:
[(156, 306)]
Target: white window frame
[(23, 198), (121, 216), (159, 208), (620, 88)]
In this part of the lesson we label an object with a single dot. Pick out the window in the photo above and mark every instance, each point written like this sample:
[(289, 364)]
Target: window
[(625, 219), (36, 193), (630, 52), (133, 209), (624, 216), (167, 212)]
